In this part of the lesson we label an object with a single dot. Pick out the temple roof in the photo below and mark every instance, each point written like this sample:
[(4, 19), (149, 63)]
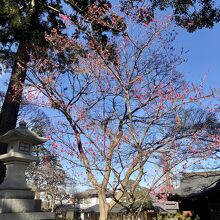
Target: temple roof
[(197, 184)]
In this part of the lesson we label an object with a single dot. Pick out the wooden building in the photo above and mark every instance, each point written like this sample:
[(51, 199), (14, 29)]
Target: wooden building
[(200, 194)]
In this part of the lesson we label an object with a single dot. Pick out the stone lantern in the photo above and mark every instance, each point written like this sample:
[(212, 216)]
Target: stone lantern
[(16, 198), (20, 141)]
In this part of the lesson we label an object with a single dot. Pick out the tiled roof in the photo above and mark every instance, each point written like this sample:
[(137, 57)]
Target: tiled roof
[(67, 207), (197, 182)]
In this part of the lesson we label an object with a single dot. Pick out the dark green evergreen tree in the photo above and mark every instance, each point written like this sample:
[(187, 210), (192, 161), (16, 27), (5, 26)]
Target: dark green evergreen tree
[(135, 199), (189, 14)]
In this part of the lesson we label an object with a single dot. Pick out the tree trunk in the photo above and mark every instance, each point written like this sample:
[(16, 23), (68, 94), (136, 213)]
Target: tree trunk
[(103, 206), (37, 190), (52, 206), (10, 107), (129, 216), (132, 216)]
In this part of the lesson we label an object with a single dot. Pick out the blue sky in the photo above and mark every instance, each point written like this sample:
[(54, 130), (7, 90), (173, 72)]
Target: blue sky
[(203, 58)]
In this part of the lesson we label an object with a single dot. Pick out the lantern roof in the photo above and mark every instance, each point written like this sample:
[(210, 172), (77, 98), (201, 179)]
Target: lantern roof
[(22, 133)]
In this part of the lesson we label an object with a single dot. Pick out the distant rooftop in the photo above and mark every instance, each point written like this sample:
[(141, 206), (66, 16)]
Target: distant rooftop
[(118, 208), (90, 193)]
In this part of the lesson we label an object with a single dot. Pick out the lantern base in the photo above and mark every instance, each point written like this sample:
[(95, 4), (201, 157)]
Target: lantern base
[(15, 176), (19, 205), (14, 193), (28, 216)]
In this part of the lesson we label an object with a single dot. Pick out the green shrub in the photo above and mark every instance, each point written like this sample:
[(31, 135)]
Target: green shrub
[(169, 216)]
